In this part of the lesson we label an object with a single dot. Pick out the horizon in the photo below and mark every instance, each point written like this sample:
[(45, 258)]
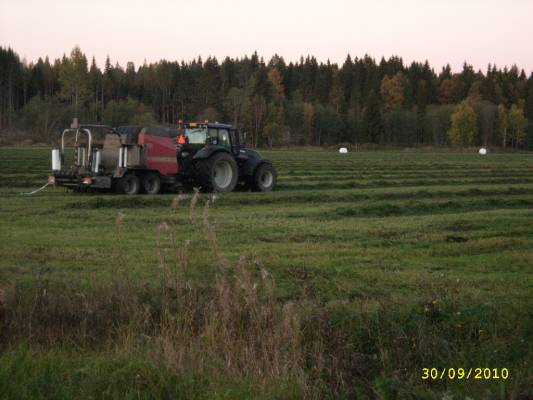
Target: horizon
[(439, 32)]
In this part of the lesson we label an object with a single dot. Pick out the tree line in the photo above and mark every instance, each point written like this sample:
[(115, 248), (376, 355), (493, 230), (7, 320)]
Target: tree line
[(277, 103)]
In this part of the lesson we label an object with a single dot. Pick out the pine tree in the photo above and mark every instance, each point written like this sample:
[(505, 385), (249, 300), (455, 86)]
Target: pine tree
[(95, 84), (73, 78), (372, 122)]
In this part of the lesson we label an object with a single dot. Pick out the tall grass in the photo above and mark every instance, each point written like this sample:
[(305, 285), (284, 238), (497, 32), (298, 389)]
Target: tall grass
[(235, 328)]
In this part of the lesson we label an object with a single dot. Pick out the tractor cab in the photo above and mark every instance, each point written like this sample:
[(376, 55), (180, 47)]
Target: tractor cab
[(198, 135)]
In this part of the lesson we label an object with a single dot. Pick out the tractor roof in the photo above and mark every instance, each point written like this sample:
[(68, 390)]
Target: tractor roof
[(214, 125), (218, 125)]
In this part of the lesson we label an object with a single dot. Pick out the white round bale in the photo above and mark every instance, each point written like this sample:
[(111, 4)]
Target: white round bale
[(343, 150), (483, 151)]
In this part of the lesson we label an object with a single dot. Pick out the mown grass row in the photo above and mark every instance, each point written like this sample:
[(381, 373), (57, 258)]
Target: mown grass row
[(352, 290), (235, 337)]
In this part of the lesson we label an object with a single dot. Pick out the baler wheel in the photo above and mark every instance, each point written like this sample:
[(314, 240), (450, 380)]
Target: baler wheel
[(129, 184), (151, 183)]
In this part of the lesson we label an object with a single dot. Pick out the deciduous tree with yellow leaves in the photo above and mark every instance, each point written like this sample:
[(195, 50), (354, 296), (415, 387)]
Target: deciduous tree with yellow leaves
[(464, 125)]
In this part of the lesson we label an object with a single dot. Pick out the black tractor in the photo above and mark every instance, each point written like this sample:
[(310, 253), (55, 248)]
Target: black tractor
[(210, 156)]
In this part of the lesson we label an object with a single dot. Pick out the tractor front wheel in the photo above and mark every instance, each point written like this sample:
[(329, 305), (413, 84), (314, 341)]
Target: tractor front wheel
[(218, 173)]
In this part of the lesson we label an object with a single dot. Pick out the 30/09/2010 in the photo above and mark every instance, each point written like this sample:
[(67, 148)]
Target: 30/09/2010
[(464, 373)]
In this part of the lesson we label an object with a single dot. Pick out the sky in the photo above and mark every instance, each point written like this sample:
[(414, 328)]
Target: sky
[(442, 31)]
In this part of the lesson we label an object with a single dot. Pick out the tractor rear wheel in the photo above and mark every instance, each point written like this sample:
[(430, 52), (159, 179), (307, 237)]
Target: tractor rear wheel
[(218, 173), (129, 184), (151, 183), (264, 178)]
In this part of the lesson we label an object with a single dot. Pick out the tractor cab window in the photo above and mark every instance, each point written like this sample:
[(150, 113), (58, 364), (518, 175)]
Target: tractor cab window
[(223, 138), (212, 136), (196, 135)]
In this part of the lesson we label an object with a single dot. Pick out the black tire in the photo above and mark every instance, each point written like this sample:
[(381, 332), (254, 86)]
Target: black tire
[(151, 183), (218, 173), (265, 178), (129, 184)]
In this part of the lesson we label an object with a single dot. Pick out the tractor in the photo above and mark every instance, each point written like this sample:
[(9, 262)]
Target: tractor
[(133, 159)]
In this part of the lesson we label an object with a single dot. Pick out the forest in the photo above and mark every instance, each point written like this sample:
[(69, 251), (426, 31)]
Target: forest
[(304, 103)]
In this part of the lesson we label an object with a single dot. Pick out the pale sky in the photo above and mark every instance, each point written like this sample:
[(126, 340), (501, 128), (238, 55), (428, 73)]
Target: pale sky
[(442, 31)]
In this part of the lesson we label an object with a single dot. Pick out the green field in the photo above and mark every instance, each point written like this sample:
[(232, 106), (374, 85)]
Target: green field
[(357, 272)]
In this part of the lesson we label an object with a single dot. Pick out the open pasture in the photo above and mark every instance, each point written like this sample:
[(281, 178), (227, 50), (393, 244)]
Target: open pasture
[(415, 259)]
